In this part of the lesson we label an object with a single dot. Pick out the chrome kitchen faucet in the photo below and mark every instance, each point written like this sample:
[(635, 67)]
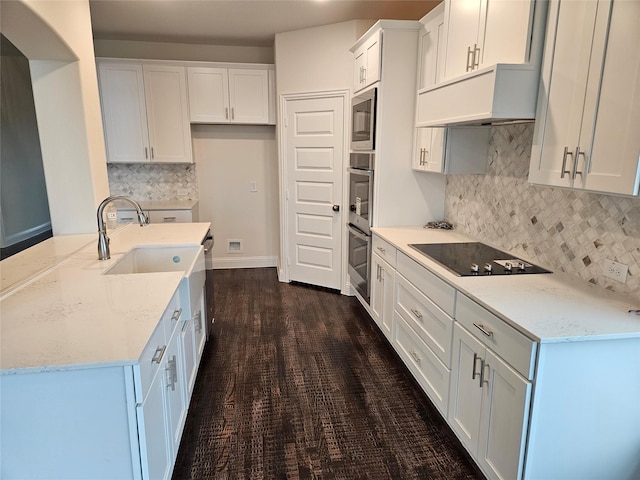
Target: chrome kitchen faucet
[(103, 239)]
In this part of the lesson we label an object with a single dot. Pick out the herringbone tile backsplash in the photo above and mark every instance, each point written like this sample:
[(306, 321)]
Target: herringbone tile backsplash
[(563, 230)]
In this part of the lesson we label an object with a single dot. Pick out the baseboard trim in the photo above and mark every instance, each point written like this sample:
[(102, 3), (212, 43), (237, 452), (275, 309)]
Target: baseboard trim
[(244, 262)]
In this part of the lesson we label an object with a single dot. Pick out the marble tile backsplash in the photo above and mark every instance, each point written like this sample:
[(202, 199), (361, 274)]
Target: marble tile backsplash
[(147, 182), (563, 230)]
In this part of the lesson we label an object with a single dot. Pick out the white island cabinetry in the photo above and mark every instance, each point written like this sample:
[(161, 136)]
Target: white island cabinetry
[(98, 369)]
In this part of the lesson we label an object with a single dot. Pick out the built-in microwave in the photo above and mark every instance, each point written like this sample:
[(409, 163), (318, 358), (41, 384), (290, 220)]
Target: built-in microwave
[(363, 120)]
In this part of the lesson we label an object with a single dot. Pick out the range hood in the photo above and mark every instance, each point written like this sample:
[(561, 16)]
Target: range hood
[(497, 94)]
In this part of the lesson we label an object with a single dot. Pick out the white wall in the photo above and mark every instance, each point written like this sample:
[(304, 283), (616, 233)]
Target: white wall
[(228, 158), (182, 51), (316, 59), (56, 37)]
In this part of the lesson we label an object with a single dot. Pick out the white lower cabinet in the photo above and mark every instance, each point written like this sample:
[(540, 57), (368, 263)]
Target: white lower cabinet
[(382, 293), (488, 406)]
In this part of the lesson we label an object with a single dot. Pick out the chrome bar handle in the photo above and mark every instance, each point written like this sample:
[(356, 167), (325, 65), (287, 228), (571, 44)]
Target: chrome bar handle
[(153, 155), (176, 314), (483, 329), (226, 113), (575, 163), (172, 373), (417, 314), (382, 250), (146, 153), (159, 353), (197, 319), (364, 74), (564, 162), (476, 56), (415, 356), (469, 59), (476, 357), (233, 114), (483, 364)]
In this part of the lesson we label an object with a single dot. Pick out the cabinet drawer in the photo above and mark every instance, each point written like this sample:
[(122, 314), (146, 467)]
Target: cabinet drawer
[(170, 216), (153, 353), (427, 369), (514, 347), (433, 325), (437, 290), (385, 250)]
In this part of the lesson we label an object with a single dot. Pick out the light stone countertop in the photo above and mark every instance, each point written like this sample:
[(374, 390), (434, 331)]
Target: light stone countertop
[(65, 314), (547, 308)]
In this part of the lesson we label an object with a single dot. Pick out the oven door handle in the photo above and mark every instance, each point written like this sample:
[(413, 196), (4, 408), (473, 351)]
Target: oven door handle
[(360, 171), (356, 231)]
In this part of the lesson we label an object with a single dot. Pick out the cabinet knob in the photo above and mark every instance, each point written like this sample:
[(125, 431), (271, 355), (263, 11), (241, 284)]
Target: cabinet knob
[(336, 208)]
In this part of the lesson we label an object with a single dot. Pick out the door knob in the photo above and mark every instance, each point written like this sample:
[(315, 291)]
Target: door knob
[(336, 208)]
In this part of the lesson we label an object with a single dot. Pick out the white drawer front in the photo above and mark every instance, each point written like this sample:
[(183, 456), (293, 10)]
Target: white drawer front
[(433, 325), (428, 370), (436, 289), (169, 216), (517, 349), (384, 249)]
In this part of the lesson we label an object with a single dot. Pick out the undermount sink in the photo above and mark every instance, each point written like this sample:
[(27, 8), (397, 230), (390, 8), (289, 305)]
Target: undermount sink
[(167, 258)]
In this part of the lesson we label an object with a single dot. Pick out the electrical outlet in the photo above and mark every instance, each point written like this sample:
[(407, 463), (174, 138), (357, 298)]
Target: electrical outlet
[(253, 186), (615, 271), (183, 192)]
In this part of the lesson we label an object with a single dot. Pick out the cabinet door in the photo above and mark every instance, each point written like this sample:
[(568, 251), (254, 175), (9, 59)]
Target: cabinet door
[(614, 163), (359, 66), (249, 95), (124, 112), (372, 70), (153, 435), (505, 32), (432, 48), (505, 415), (208, 94), (382, 295), (200, 327), (462, 18), (188, 348), (562, 91), (168, 113), (465, 397), (377, 290), (175, 387)]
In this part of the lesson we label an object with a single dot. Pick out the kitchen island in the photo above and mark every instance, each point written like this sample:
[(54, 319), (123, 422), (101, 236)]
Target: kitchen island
[(90, 363), (537, 375)]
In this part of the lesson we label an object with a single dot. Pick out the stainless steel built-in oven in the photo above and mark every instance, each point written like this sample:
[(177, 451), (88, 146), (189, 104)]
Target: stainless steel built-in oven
[(361, 171), (360, 261), (363, 120)]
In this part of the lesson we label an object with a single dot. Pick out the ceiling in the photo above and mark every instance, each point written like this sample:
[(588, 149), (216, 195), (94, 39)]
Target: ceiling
[(235, 22)]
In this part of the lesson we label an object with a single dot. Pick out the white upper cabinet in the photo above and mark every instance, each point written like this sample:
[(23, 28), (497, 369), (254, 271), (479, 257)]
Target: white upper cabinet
[(230, 95), (486, 32), (145, 112), (588, 113), (366, 61)]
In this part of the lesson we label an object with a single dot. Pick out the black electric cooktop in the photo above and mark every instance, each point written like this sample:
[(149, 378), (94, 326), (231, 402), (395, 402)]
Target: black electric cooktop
[(476, 259)]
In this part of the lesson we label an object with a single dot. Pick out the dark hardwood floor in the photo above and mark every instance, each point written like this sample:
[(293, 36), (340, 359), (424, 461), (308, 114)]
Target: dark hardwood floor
[(297, 382)]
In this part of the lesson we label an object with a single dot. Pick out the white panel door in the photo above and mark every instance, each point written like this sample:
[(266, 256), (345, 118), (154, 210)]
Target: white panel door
[(314, 164)]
